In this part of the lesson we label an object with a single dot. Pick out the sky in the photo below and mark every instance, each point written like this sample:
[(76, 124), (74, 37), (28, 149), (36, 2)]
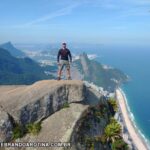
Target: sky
[(79, 21)]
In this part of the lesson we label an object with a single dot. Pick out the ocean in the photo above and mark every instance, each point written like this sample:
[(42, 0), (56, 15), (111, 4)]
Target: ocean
[(135, 62)]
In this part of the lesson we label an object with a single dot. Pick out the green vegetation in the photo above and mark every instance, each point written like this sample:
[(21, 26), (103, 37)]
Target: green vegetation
[(18, 132), (112, 136), (119, 145), (112, 131), (65, 105), (89, 142), (33, 128), (112, 102), (103, 139), (98, 111), (90, 119)]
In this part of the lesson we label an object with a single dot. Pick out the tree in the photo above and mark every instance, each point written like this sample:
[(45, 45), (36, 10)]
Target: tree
[(112, 131)]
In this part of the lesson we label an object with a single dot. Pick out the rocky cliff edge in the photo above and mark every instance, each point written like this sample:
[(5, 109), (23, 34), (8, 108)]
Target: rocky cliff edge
[(44, 101)]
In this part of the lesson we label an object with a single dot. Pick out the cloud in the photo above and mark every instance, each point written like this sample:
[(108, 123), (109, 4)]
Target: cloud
[(116, 4), (125, 8), (58, 13)]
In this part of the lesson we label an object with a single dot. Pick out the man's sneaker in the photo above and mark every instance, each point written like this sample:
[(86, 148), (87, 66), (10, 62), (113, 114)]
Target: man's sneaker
[(58, 78), (69, 78)]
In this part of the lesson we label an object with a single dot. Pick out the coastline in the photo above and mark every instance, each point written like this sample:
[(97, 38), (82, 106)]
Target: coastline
[(136, 138)]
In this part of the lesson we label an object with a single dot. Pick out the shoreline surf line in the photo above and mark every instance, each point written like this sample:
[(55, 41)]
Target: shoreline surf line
[(136, 138)]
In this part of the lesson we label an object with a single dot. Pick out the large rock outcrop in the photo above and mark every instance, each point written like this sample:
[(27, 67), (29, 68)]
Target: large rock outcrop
[(25, 104)]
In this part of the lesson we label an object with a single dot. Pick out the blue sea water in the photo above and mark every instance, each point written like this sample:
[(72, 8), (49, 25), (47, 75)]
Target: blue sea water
[(134, 61)]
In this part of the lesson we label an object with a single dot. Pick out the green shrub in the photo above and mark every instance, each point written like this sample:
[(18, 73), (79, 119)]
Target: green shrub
[(103, 139), (65, 105), (18, 132), (92, 146), (113, 103), (113, 120), (112, 131), (89, 141), (97, 113), (33, 128), (119, 145)]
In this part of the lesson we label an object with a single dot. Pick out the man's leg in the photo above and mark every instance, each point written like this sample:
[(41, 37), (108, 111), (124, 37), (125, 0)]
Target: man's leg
[(60, 71), (59, 74), (68, 74), (68, 71)]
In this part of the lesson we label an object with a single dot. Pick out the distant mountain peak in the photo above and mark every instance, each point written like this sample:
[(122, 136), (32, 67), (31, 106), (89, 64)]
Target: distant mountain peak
[(84, 55), (14, 51), (9, 43)]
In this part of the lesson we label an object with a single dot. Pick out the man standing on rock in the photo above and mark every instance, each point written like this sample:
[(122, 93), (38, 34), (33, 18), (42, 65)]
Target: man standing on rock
[(65, 55)]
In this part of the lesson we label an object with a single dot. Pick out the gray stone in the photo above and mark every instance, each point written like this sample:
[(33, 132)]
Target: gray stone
[(40, 100), (6, 126)]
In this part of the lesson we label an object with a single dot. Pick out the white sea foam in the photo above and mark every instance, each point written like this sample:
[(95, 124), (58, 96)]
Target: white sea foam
[(132, 118)]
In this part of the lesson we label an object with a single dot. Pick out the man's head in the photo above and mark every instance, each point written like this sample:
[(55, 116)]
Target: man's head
[(64, 45)]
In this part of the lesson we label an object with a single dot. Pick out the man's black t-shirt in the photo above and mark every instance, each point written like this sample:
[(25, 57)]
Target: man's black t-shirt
[(64, 54)]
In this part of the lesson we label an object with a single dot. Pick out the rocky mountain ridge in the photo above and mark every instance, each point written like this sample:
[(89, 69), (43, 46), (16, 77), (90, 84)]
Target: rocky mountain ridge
[(92, 71)]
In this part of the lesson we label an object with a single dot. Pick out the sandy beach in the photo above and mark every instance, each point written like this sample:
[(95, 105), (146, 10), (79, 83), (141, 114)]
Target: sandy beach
[(132, 131)]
